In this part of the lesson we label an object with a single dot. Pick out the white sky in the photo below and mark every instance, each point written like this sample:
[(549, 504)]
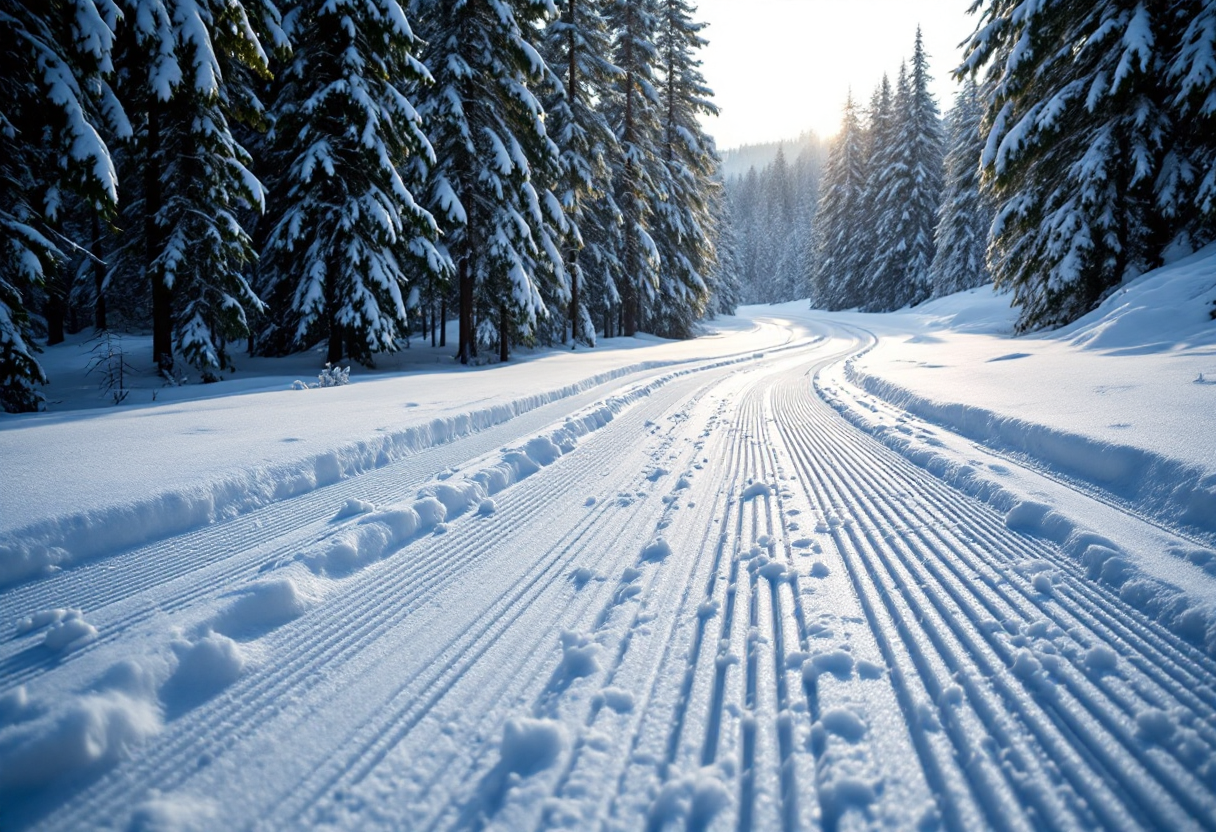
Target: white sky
[(781, 67)]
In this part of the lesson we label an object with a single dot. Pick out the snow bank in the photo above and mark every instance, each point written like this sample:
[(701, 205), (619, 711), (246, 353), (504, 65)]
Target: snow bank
[(1172, 490), (45, 545)]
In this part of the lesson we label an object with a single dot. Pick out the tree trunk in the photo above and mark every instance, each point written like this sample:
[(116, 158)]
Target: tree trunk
[(162, 296), (333, 352), (54, 310), (503, 333), (443, 322), (467, 349), (99, 277)]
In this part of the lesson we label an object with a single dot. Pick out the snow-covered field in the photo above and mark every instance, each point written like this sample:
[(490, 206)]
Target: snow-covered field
[(810, 571)]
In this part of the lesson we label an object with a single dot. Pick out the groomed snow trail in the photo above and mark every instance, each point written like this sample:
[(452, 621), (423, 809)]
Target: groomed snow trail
[(693, 601)]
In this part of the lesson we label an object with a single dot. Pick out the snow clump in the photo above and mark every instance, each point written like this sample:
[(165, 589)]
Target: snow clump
[(531, 745)]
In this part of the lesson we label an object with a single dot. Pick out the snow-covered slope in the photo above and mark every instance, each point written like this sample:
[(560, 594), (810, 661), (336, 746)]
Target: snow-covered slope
[(716, 585)]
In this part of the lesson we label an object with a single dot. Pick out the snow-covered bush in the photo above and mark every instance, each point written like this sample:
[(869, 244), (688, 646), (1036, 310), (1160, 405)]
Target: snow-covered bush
[(328, 377)]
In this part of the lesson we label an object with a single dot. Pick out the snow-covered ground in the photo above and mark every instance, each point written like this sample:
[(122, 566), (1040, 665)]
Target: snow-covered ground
[(809, 571)]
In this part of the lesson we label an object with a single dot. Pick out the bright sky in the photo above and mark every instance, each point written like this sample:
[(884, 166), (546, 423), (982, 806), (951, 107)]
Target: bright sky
[(781, 67)]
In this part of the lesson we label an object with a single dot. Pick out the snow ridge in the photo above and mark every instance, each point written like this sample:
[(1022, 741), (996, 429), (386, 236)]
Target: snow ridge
[(49, 545)]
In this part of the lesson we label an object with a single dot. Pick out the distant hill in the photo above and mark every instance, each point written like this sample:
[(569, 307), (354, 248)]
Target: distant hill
[(737, 160)]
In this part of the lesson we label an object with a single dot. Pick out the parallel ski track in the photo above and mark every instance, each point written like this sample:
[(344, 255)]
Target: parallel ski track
[(941, 582), (229, 553), (533, 661), (371, 603), (917, 581)]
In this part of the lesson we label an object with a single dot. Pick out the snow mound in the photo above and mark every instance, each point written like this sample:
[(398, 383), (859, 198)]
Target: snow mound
[(79, 732), (262, 606), (70, 633), (531, 745), (757, 489), (1159, 311), (205, 666), (580, 656), (657, 549), (695, 799), (174, 813)]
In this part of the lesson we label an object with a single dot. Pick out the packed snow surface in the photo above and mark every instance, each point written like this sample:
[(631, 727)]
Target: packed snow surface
[(810, 571)]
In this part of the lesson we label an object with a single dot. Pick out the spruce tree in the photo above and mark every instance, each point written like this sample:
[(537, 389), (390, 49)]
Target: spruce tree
[(1075, 126), (575, 47), (57, 106), (685, 227), (909, 188), (348, 237), (633, 106), (965, 216), (185, 71), (879, 158), (833, 283), (1186, 186), (489, 188)]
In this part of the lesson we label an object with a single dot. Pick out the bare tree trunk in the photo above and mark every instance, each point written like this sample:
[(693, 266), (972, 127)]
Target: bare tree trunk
[(162, 297)]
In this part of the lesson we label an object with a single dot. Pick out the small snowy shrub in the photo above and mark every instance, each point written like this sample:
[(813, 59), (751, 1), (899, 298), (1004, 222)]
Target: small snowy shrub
[(329, 377), (110, 363)]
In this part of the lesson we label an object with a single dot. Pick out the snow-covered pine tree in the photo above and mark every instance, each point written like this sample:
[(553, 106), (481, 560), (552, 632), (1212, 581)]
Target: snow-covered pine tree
[(575, 46), (833, 283), (909, 177), (1186, 186), (633, 107), (965, 215), (1074, 131), (881, 149), (185, 71), (348, 236), (487, 125), (685, 227), (56, 108)]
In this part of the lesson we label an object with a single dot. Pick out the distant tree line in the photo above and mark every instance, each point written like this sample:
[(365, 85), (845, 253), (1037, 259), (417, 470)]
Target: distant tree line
[(277, 175), (1079, 153)]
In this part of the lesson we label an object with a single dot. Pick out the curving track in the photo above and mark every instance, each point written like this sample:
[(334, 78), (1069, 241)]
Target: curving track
[(831, 639)]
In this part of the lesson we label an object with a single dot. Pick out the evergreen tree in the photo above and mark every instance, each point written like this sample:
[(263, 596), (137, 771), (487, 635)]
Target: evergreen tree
[(633, 106), (909, 177), (495, 159), (349, 235), (833, 282), (879, 158), (685, 227), (575, 46), (1075, 127), (186, 69), (57, 106), (1186, 185), (965, 214)]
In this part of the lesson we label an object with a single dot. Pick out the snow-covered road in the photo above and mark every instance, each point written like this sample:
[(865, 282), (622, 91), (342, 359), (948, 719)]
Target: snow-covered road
[(684, 599)]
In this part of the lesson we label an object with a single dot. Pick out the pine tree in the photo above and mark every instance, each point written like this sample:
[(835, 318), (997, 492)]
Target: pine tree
[(495, 160), (685, 227), (57, 107), (965, 214), (1186, 186), (908, 194), (634, 106), (833, 283), (1074, 128), (575, 46), (349, 235), (186, 70)]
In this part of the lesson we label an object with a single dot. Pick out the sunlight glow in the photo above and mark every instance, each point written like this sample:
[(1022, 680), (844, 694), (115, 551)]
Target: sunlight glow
[(782, 67)]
